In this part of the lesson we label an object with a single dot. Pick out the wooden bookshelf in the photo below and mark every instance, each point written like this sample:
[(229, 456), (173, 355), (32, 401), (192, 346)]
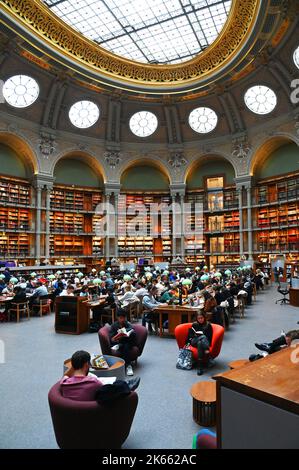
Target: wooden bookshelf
[(66, 222), (14, 192), (278, 240), (67, 199), (14, 245), (145, 244), (14, 219), (66, 246)]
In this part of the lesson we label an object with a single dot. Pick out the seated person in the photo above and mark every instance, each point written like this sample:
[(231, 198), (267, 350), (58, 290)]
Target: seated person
[(149, 303), (8, 289), (19, 295), (284, 340), (79, 384), (129, 298), (125, 342), (200, 336), (69, 291), (40, 290), (210, 302)]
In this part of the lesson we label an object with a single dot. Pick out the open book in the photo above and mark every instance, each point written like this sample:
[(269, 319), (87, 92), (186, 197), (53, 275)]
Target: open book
[(197, 332), (121, 332)]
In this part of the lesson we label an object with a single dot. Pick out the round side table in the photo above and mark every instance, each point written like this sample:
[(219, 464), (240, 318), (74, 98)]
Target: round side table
[(116, 368), (239, 363), (204, 403)]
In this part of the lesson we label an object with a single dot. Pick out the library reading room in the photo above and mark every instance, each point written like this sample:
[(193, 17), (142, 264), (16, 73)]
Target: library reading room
[(149, 224)]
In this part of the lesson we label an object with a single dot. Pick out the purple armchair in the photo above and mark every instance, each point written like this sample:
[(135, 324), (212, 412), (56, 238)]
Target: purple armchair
[(141, 335), (88, 425)]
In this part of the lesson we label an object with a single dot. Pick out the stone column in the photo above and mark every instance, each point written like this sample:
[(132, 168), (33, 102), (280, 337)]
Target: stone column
[(38, 221), (116, 199), (240, 190), (107, 238), (249, 223), (182, 197), (173, 200), (47, 238)]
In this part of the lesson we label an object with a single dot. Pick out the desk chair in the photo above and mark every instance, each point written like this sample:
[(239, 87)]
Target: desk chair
[(43, 306), (283, 289), (19, 309)]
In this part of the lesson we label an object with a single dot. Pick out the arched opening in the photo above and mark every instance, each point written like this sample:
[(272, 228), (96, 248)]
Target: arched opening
[(79, 170), (209, 167), (76, 196), (275, 169), (211, 193), (275, 158), (145, 200), (144, 177), (16, 160), (17, 168)]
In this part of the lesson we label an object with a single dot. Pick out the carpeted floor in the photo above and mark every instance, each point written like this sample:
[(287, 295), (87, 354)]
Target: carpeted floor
[(34, 357)]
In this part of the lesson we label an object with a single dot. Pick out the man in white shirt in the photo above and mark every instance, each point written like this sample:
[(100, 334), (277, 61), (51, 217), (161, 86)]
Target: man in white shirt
[(69, 291)]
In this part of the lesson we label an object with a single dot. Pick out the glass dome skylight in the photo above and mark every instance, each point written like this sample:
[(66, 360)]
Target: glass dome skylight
[(156, 31)]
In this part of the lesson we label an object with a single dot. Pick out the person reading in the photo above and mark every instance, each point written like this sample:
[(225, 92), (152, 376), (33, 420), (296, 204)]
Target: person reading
[(200, 336), (81, 385), (123, 337)]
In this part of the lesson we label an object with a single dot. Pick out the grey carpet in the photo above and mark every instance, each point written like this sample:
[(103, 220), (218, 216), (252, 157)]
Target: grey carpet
[(34, 360)]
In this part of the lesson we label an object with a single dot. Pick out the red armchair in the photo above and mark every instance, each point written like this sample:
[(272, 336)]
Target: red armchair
[(181, 334), (89, 425), (141, 336)]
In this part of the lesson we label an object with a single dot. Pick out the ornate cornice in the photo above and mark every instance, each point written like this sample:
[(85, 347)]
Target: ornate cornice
[(45, 28)]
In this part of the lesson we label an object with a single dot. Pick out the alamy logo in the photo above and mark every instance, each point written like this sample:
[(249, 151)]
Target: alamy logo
[(295, 93), (154, 220)]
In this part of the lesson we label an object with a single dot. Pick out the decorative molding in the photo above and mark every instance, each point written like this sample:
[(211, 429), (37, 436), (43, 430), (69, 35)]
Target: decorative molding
[(177, 161), (241, 149), (113, 158), (47, 144), (37, 18)]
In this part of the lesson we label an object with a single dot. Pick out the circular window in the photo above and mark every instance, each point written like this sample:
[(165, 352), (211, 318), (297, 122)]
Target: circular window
[(260, 99), (143, 123), (296, 57), (20, 91), (203, 120), (84, 114)]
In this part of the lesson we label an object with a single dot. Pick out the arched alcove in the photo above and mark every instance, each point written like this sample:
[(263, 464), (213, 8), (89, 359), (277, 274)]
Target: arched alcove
[(144, 177), (209, 166), (277, 159), (77, 171)]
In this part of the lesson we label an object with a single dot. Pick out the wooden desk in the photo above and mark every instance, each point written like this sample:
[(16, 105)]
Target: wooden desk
[(72, 315), (175, 315), (258, 404), (294, 297)]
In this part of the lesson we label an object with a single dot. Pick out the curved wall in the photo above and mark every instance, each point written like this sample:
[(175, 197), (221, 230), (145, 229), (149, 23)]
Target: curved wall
[(215, 167), (11, 163), (144, 178), (75, 172)]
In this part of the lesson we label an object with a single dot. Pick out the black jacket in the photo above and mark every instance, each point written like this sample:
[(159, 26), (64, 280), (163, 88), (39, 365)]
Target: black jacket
[(116, 326), (19, 298), (206, 329)]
